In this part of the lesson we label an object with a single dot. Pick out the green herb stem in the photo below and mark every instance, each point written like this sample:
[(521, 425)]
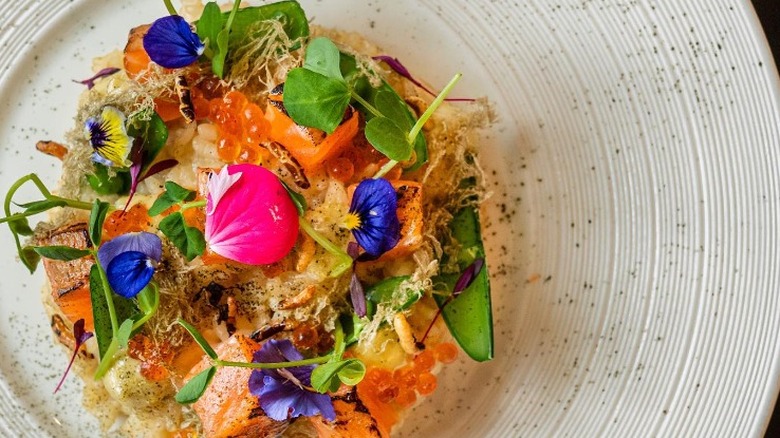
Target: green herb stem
[(345, 261), (193, 204), (386, 168), (108, 358), (169, 7), (142, 320), (433, 107), (229, 24), (273, 365), (109, 298), (366, 104)]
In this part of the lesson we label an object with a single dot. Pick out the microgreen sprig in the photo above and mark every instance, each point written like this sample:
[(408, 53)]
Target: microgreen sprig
[(189, 240), (317, 95)]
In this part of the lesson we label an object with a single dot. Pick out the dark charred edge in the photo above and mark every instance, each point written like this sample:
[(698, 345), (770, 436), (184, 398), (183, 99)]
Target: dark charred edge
[(214, 292), (186, 107), (265, 332), (78, 285), (290, 163), (352, 398)]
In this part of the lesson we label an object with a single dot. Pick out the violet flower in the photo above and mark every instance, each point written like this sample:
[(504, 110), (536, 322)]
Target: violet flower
[(130, 261), (373, 218), (286, 393), (80, 336), (107, 134), (90, 82), (250, 217), (171, 43)]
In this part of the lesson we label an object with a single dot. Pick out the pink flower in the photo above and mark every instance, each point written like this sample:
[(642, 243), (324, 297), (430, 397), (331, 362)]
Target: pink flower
[(250, 217)]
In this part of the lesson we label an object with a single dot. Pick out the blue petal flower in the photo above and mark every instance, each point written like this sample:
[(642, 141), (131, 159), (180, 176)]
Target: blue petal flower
[(171, 43), (374, 219), (286, 393), (107, 134), (130, 261), (130, 272)]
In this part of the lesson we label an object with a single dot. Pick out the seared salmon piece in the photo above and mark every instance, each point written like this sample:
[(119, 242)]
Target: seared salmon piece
[(70, 280), (227, 408)]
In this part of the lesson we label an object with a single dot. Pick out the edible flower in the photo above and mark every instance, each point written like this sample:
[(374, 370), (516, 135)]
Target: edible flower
[(372, 216), (399, 68), (171, 43), (107, 134), (80, 336), (90, 82), (130, 261), (250, 217), (286, 392)]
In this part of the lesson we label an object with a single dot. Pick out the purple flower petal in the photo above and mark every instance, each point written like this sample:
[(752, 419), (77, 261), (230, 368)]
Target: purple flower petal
[(282, 397), (357, 295), (130, 272), (399, 68), (90, 83), (147, 243), (171, 43), (468, 276), (375, 203), (81, 336)]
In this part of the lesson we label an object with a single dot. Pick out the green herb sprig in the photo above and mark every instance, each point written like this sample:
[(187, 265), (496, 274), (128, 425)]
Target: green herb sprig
[(317, 95), (189, 240)]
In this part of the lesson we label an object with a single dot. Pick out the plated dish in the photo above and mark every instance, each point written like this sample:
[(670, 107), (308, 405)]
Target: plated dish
[(654, 311)]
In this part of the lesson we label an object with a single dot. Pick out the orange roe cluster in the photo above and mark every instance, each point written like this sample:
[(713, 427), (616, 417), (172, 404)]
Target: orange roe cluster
[(383, 388), (154, 357), (241, 127), (136, 218)]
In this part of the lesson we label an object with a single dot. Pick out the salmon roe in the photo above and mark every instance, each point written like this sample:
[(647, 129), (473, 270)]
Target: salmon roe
[(424, 361), (426, 383), (446, 352), (136, 218), (241, 127)]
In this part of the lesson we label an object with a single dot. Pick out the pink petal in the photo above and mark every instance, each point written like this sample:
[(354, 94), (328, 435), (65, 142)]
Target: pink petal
[(254, 223), (218, 185)]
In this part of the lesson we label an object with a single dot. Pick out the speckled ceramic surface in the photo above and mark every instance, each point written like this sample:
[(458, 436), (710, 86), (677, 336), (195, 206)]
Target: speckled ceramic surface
[(632, 232)]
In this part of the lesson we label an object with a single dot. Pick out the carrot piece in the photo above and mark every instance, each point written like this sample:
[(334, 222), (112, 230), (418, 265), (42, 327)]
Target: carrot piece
[(227, 408), (310, 147), (136, 60), (69, 281), (410, 215)]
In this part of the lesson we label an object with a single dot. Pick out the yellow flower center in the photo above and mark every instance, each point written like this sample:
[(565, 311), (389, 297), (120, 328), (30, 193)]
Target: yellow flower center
[(351, 221)]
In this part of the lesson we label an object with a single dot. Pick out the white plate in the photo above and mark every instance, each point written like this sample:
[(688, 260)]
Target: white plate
[(635, 175)]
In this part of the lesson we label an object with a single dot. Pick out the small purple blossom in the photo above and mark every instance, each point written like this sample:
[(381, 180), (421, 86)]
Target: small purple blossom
[(80, 336), (286, 392), (130, 261), (90, 82), (373, 216), (171, 43), (399, 68), (356, 292)]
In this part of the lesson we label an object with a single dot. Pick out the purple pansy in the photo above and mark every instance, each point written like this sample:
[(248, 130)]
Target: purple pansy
[(286, 393), (130, 261), (373, 218), (171, 43)]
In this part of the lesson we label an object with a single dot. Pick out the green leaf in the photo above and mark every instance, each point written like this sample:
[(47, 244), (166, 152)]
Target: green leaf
[(387, 292), (100, 313), (149, 298), (172, 195), (96, 219), (218, 61), (21, 227), (194, 389), (352, 326), (187, 239), (329, 376), (323, 57), (29, 257), (104, 184), (63, 253), (289, 13), (124, 332), (42, 205), (469, 317), (394, 108), (314, 100), (388, 138), (297, 199), (199, 339), (149, 126), (210, 23)]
